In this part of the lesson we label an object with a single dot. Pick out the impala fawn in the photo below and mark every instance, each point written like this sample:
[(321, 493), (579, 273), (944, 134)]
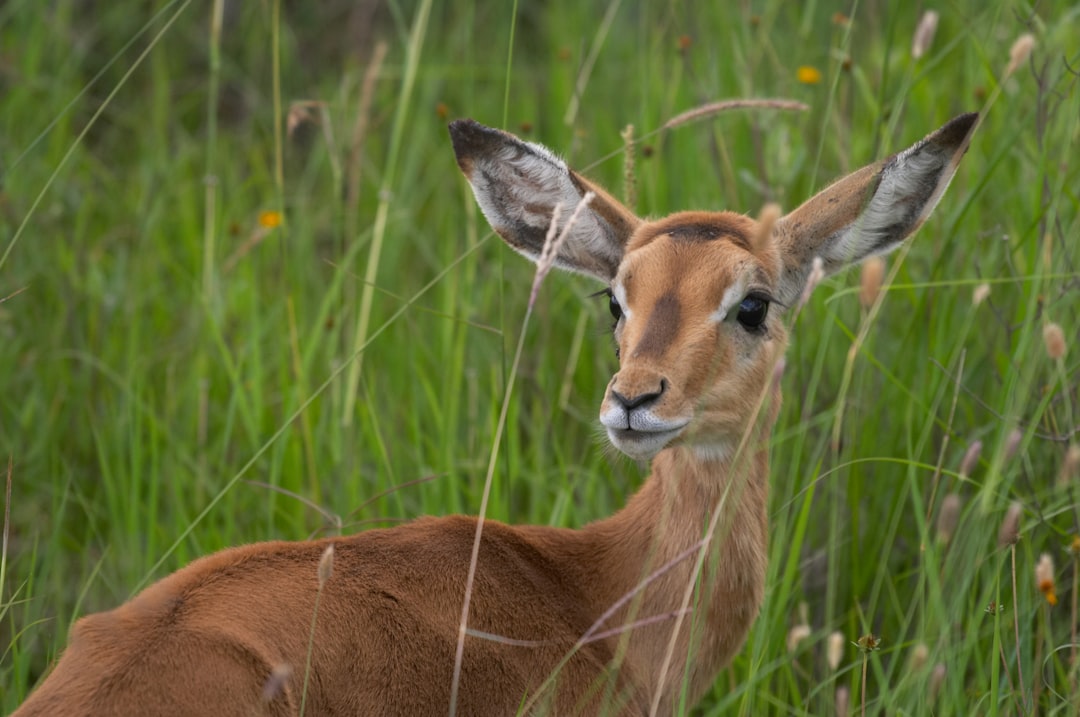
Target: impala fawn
[(632, 614)]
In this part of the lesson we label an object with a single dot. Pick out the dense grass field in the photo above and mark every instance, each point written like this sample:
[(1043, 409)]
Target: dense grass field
[(245, 294)]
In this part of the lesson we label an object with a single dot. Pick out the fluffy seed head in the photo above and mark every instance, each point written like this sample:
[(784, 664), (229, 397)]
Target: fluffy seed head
[(981, 294), (1019, 52), (276, 682), (796, 635), (873, 274), (1012, 442), (1010, 526), (971, 458), (924, 34), (843, 701), (834, 650), (948, 517), (1070, 467), (920, 654), (326, 565), (766, 221), (1054, 338), (937, 680), (1044, 578)]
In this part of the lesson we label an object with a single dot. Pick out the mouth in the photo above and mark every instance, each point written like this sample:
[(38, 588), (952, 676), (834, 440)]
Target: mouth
[(641, 445)]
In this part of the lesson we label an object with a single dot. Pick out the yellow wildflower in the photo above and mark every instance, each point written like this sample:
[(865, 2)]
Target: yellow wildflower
[(808, 75)]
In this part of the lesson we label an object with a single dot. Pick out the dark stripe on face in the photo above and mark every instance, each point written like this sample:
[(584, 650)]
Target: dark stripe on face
[(711, 232), (662, 327)]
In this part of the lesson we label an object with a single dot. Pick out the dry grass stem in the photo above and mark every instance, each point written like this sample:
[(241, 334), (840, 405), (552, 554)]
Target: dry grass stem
[(553, 244), (629, 176), (714, 108), (843, 701)]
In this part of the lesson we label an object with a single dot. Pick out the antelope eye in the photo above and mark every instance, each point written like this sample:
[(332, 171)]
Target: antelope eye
[(752, 312), (613, 306)]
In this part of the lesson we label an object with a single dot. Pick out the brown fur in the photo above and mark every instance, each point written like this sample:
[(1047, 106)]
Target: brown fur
[(218, 636)]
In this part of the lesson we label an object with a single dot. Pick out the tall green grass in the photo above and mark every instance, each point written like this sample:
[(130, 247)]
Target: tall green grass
[(181, 376)]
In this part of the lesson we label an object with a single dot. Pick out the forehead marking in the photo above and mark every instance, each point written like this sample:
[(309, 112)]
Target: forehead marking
[(662, 327)]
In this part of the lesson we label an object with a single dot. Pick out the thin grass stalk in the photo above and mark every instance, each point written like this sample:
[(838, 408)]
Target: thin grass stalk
[(739, 456), (412, 63), (135, 64), (275, 74), (287, 423), (7, 532), (209, 179), (550, 250), (1016, 625), (326, 567)]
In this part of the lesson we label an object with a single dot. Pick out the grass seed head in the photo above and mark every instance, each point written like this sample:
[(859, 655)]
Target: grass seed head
[(1054, 338), (981, 294), (1019, 52), (796, 635), (1070, 467), (1044, 578), (1010, 526), (275, 684), (843, 701), (766, 221), (1012, 443), (920, 655), (326, 565), (817, 274), (937, 680), (971, 458), (873, 274), (924, 34), (834, 649), (948, 517)]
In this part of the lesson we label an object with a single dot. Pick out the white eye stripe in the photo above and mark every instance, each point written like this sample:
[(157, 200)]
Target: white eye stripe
[(732, 296), (619, 292)]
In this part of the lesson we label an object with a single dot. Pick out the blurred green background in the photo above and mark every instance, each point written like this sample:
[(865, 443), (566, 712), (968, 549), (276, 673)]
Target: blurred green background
[(245, 294)]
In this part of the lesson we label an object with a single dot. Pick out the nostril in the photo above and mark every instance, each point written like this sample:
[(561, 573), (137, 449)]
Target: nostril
[(631, 402)]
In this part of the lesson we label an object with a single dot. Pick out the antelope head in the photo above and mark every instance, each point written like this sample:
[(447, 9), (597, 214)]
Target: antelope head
[(698, 297)]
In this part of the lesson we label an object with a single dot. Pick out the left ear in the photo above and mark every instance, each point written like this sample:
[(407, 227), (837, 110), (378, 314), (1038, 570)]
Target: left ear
[(872, 210)]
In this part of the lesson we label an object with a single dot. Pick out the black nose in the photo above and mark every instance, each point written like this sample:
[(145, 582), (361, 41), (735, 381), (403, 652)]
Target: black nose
[(642, 399)]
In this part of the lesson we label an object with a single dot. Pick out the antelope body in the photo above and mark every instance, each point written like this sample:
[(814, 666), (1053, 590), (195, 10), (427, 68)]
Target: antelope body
[(606, 619)]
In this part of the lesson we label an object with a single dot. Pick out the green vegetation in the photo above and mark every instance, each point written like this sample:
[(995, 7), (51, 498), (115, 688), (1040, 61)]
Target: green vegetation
[(181, 373)]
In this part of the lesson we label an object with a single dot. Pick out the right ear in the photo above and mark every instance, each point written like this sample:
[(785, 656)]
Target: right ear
[(517, 185)]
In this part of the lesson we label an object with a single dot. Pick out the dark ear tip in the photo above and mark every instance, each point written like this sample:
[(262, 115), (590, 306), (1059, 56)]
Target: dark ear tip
[(469, 137), (956, 131)]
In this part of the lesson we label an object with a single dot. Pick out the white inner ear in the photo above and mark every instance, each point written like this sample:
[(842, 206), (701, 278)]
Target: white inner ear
[(732, 296), (904, 197), (521, 187)]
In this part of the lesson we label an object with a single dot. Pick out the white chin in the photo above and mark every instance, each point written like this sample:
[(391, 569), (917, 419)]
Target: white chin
[(640, 445)]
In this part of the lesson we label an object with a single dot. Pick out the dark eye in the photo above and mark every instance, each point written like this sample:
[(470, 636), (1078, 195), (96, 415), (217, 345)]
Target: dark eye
[(613, 306), (752, 312)]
